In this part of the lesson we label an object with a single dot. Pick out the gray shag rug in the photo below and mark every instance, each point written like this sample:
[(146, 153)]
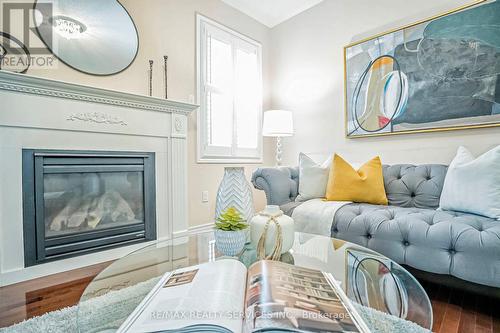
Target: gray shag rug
[(100, 314), (105, 314)]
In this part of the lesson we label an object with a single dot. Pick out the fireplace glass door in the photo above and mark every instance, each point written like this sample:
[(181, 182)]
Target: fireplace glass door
[(78, 202), (81, 202)]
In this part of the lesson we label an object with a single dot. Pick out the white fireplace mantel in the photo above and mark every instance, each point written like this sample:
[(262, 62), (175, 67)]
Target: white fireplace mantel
[(39, 113), (40, 86)]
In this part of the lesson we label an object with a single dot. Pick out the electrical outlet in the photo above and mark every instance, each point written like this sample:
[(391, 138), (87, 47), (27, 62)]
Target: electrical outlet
[(204, 196)]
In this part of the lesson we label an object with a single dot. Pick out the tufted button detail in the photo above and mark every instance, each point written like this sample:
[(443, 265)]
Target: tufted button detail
[(413, 195), (406, 243), (369, 236), (335, 230), (452, 251)]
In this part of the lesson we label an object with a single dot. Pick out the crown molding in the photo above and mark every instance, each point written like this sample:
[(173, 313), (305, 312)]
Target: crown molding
[(59, 89)]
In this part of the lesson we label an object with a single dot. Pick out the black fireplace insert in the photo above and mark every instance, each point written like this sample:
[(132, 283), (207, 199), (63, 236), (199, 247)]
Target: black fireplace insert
[(77, 202)]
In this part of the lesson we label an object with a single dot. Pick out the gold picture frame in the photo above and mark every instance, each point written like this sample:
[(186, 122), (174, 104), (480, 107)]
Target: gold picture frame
[(348, 133)]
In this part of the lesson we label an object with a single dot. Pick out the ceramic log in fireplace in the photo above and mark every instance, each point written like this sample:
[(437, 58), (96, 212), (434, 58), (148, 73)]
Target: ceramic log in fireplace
[(79, 202)]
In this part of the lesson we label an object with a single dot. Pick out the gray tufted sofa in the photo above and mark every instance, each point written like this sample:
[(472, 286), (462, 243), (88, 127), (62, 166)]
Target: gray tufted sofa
[(445, 246)]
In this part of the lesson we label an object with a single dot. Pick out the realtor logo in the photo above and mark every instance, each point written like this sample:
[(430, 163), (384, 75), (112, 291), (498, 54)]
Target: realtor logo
[(20, 46)]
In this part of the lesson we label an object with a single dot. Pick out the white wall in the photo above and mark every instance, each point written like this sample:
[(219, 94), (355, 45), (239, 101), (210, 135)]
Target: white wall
[(167, 27), (303, 56), (308, 78)]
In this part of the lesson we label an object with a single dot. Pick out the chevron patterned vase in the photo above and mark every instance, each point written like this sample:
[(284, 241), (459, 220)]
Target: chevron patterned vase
[(234, 191)]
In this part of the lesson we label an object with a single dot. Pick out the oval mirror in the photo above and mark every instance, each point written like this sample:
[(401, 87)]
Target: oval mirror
[(94, 36)]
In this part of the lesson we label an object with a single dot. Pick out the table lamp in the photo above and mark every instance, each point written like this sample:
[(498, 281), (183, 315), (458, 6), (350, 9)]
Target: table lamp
[(278, 124)]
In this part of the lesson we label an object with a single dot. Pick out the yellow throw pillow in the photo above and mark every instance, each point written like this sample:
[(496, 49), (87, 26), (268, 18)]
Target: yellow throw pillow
[(365, 185)]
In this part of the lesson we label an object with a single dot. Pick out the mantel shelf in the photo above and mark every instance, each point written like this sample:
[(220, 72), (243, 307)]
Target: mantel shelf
[(40, 86)]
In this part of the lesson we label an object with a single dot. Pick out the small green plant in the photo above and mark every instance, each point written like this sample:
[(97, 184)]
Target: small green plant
[(230, 220)]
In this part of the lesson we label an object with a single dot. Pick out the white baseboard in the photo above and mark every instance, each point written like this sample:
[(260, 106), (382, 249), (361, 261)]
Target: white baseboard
[(194, 229), (201, 228)]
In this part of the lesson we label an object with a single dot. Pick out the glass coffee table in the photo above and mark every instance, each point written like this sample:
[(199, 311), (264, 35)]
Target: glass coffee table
[(388, 298)]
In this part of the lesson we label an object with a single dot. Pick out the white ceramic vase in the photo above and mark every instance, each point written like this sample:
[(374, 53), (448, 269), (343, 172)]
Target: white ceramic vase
[(234, 191), (258, 224)]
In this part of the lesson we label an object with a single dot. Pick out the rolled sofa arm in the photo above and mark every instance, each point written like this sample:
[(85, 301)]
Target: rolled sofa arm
[(280, 184)]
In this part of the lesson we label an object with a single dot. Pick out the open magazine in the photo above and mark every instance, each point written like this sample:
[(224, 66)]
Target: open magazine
[(224, 296)]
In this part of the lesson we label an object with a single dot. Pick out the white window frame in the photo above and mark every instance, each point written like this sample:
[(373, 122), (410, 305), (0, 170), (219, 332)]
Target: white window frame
[(213, 154)]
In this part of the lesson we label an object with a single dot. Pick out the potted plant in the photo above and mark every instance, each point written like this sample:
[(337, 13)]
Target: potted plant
[(230, 232)]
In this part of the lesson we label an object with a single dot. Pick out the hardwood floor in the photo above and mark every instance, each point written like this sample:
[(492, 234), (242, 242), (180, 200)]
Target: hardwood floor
[(455, 311), (32, 298)]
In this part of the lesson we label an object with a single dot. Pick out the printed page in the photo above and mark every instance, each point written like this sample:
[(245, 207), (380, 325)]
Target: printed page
[(207, 294), (283, 296)]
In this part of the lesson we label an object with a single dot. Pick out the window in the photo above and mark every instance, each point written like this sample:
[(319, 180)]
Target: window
[(229, 94)]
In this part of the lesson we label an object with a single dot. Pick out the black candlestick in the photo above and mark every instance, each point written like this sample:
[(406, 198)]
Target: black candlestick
[(150, 77), (165, 61)]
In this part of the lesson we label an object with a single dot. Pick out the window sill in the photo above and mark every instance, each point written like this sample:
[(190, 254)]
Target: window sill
[(211, 160)]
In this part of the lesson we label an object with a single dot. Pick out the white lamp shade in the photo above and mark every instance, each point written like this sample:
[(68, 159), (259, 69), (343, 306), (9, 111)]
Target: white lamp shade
[(277, 123)]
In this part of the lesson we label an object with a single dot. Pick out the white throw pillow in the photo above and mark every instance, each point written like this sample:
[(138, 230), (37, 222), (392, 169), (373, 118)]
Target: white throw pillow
[(472, 185), (312, 178)]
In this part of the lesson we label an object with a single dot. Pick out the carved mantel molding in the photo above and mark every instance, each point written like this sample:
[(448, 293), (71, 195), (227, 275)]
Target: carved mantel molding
[(39, 86), (96, 117)]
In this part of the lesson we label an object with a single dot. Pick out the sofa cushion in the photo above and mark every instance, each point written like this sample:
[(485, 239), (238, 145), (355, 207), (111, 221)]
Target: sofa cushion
[(365, 184), (462, 245), (289, 207), (414, 186), (472, 185), (313, 178)]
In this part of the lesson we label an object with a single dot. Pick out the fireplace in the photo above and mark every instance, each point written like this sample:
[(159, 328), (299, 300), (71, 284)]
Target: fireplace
[(77, 202), (42, 114)]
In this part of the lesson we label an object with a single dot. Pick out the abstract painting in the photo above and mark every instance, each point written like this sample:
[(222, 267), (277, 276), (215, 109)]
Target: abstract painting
[(438, 74)]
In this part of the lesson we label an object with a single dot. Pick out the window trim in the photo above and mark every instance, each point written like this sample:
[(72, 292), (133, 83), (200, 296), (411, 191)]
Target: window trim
[(204, 156)]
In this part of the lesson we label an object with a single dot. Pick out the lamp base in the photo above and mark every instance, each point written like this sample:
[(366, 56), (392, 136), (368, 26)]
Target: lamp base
[(279, 152)]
